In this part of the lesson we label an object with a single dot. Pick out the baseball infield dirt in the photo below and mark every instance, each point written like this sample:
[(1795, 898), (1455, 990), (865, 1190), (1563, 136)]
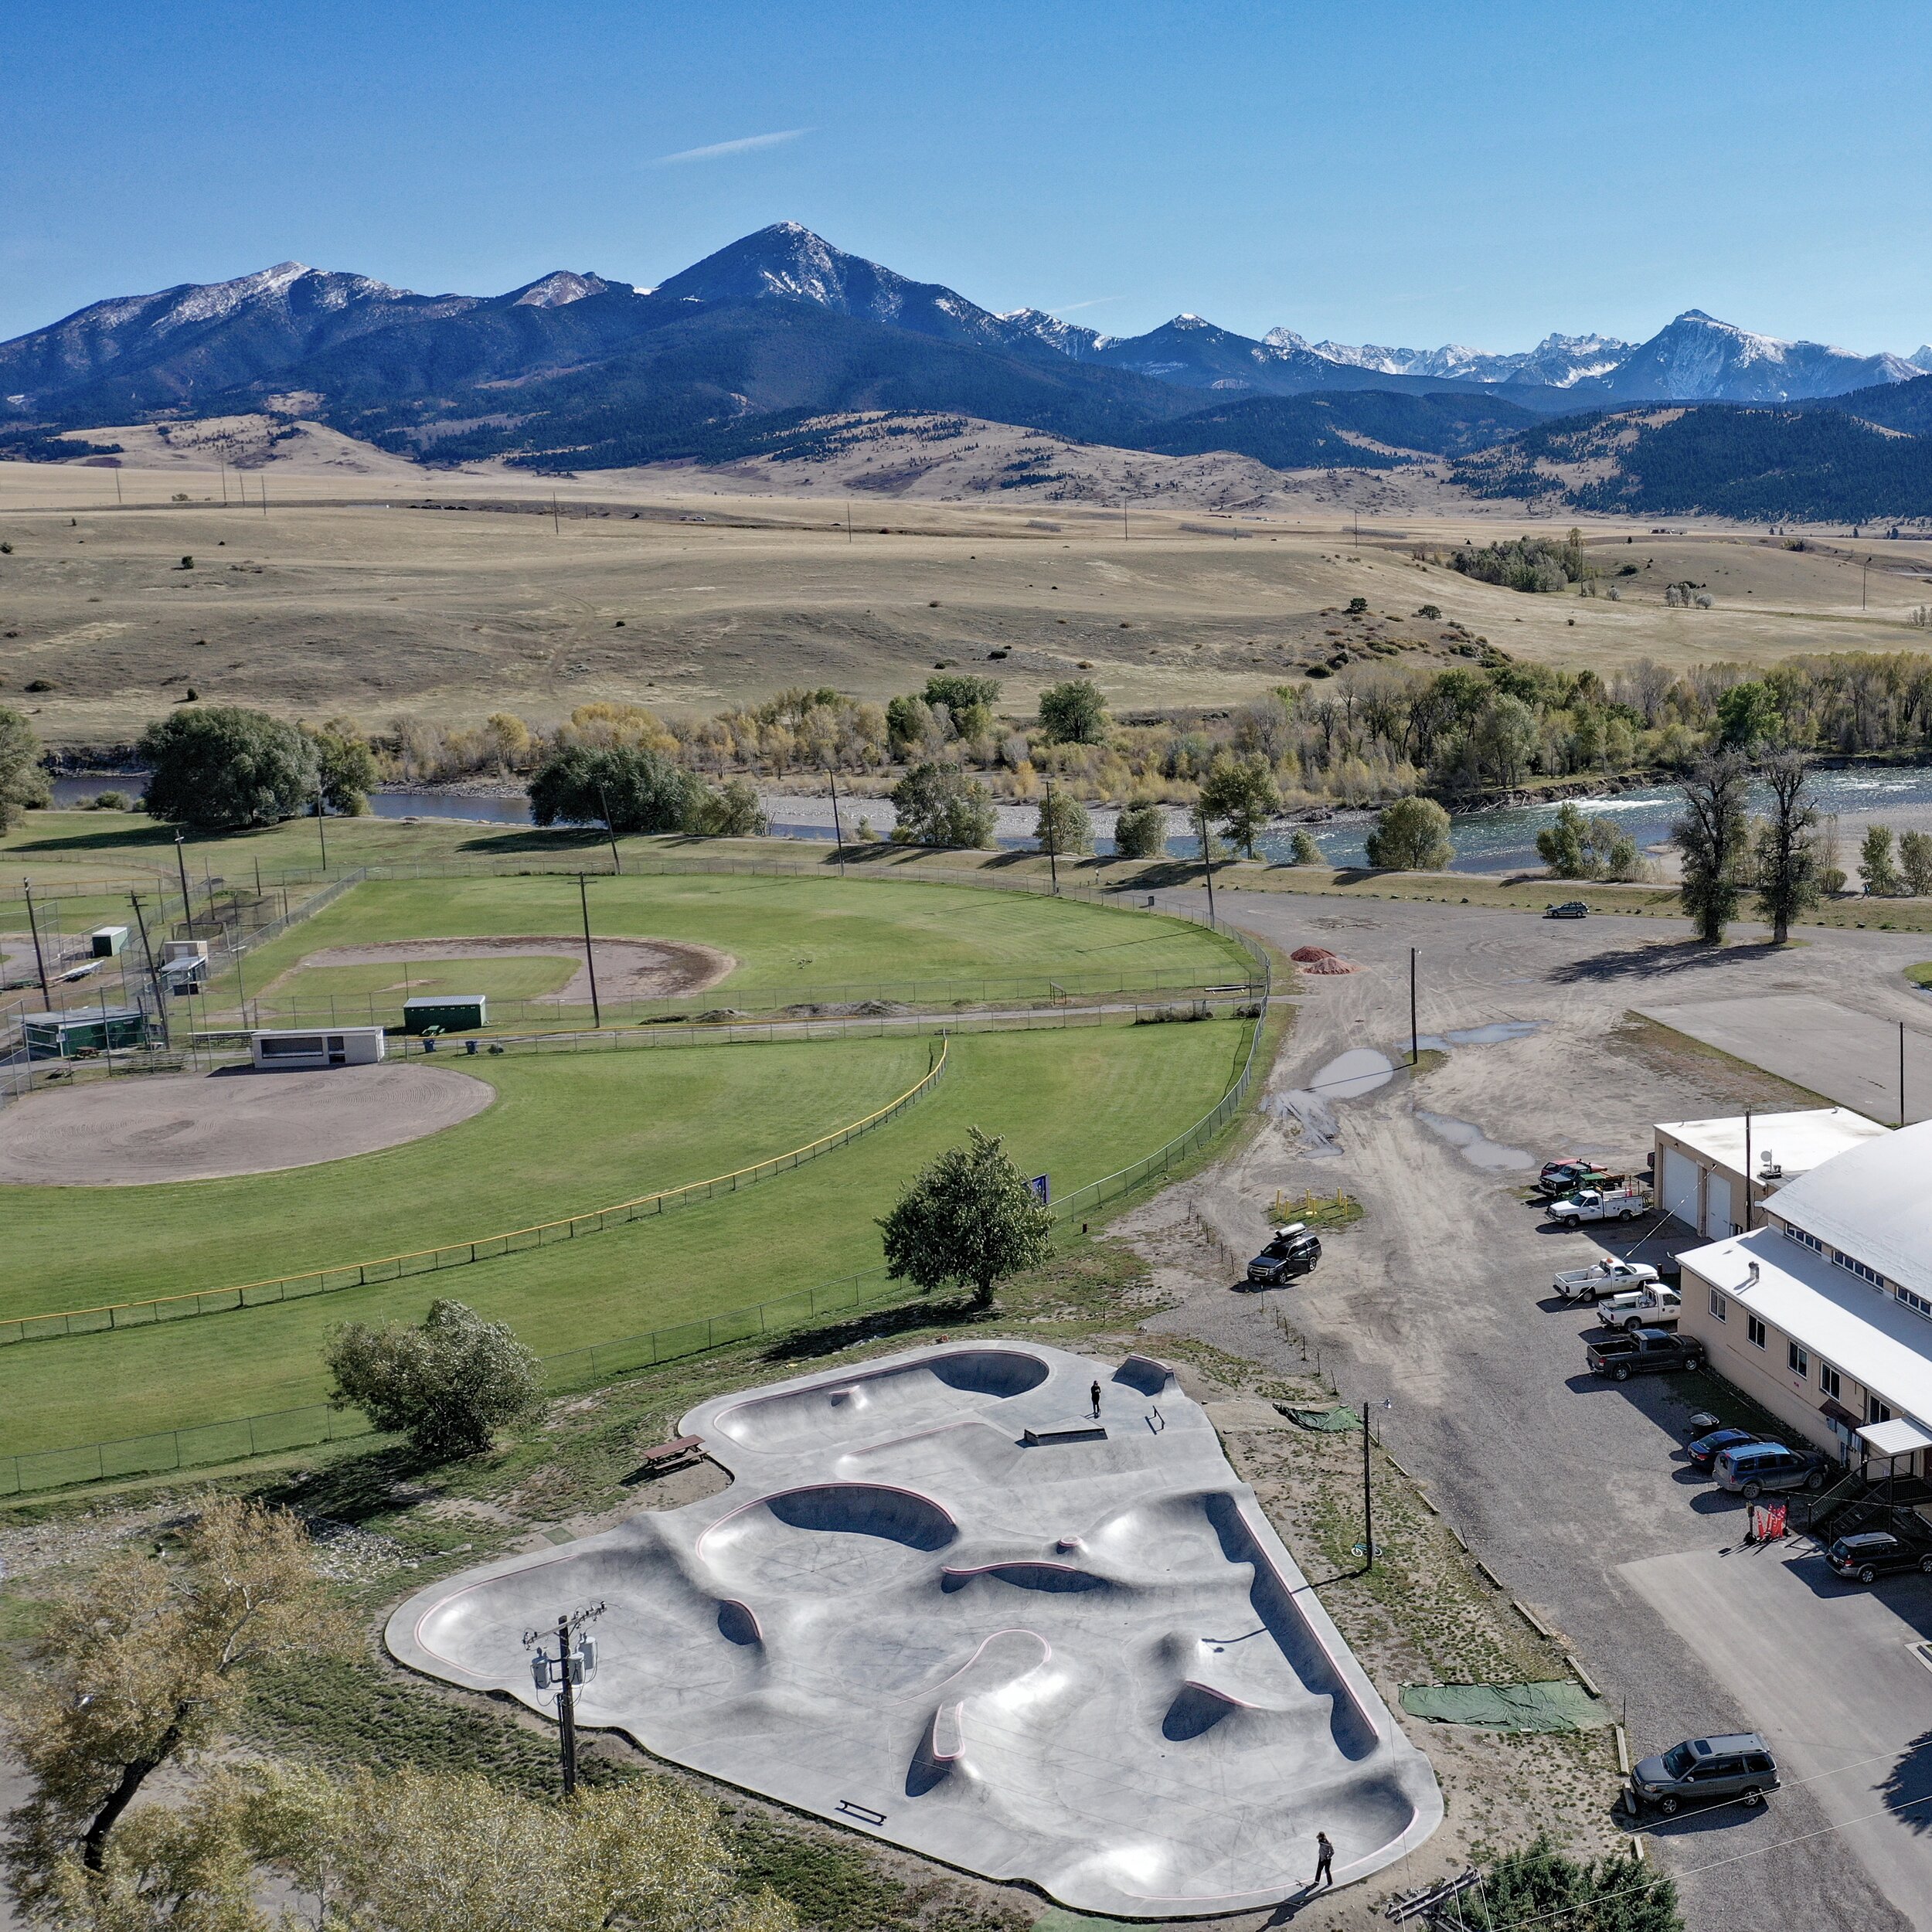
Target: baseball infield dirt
[(132, 1133)]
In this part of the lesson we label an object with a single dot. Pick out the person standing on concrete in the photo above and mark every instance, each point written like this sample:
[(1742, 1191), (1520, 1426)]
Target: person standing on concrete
[(1094, 1395), (1324, 1861)]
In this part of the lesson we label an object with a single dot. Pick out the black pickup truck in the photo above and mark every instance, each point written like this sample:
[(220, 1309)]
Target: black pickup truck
[(1643, 1352)]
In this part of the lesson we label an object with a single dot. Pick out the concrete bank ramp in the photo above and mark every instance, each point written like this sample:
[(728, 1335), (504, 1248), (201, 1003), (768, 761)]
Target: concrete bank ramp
[(1088, 1663)]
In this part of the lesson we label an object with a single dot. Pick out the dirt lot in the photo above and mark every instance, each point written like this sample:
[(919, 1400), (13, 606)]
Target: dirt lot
[(201, 1126), (455, 595), (1569, 1488)]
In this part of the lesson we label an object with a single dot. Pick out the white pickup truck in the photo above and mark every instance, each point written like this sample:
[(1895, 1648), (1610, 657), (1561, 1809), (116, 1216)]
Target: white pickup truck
[(1599, 1204), (1655, 1307), (1608, 1276)]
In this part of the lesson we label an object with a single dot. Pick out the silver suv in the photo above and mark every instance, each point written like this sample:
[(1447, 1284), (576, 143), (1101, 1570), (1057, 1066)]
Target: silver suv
[(1748, 1469), (1703, 1769)]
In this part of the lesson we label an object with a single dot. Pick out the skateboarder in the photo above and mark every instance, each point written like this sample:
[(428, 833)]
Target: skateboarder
[(1094, 1395), (1324, 1861)]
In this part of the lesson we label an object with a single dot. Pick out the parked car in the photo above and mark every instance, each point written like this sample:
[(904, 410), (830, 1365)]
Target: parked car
[(1291, 1250), (1873, 1554), (1643, 1351), (1704, 1451), (1570, 908), (1748, 1469), (1646, 1307), (1565, 1177), (1599, 1204), (1702, 1769), (1607, 1276)]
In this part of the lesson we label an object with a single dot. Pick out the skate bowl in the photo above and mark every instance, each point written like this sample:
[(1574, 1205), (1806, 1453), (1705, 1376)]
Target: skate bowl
[(1089, 1665)]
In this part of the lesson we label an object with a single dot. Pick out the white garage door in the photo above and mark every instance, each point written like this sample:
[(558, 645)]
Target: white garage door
[(1717, 1206), (1680, 1186)]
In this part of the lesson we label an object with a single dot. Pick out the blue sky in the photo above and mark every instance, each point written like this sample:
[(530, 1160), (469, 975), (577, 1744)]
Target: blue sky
[(1393, 173)]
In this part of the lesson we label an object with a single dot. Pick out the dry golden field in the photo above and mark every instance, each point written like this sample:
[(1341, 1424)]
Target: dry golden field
[(370, 588)]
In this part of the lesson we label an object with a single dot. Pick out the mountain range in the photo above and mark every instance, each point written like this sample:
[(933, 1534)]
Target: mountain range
[(780, 327)]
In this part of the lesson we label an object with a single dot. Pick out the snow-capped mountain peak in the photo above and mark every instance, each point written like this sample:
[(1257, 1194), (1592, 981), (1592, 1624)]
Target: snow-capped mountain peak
[(558, 289)]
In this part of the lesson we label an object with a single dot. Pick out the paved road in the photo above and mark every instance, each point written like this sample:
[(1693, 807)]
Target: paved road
[(1566, 1486), (1858, 1060)]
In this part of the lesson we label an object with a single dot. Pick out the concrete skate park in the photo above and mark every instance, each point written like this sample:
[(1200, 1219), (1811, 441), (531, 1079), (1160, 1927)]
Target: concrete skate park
[(941, 1604)]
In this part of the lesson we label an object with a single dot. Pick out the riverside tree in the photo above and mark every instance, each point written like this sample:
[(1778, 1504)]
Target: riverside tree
[(1574, 847), (23, 783), (1241, 794), (1410, 836), (220, 767), (1789, 868), (1140, 831), (1064, 825), (1877, 869), (448, 1386), (140, 1666), (969, 1216), (345, 767), (1712, 840), (629, 788), (939, 805), (1915, 861), (1073, 713)]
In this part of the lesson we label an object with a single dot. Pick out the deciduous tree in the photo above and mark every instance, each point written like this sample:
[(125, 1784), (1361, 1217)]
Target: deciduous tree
[(969, 1216), (448, 1386), (1140, 831), (1064, 826), (1073, 713), (1876, 866), (1411, 835), (1789, 863), (939, 805), (23, 782), (1240, 793), (1712, 840), (223, 765)]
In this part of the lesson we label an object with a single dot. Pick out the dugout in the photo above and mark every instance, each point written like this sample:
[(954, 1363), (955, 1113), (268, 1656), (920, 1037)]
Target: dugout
[(65, 1036), (448, 1013), (107, 942), (281, 1050)]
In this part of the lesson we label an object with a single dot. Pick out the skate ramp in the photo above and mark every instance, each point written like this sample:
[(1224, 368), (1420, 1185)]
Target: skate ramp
[(1088, 1665)]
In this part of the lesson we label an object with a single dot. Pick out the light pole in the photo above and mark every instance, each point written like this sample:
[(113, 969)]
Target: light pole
[(1414, 1042), (181, 865), (590, 958), (574, 1663), (321, 830), (838, 827), (39, 960), (1207, 858)]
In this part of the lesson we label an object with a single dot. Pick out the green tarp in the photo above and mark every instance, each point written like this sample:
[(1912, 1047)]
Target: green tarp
[(1562, 1706), (1330, 1421)]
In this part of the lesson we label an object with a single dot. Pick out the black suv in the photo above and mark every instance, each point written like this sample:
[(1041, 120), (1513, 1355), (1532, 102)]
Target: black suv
[(1293, 1250), (1874, 1553), (1703, 1769)]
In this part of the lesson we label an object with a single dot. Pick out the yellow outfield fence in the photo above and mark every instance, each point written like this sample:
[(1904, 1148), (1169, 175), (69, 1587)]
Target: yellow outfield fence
[(396, 1267)]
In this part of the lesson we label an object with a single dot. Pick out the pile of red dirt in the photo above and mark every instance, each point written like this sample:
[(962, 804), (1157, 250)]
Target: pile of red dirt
[(1318, 959)]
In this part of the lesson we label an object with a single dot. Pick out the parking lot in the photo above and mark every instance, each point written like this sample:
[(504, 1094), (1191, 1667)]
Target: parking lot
[(1573, 1489)]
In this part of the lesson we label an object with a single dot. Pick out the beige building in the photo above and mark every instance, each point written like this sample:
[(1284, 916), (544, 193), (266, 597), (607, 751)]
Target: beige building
[(1700, 1165), (1822, 1313)]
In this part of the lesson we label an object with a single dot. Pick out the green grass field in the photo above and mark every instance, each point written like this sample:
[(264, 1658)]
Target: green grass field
[(567, 1132), (1076, 1105), (789, 936), (354, 989)]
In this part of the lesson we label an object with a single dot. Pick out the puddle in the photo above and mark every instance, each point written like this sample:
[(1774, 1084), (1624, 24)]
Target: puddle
[(1492, 1035), (1348, 1075), (1475, 1146)]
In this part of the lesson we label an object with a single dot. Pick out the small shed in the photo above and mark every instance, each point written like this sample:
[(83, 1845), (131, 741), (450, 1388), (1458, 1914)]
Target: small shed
[(106, 941), (84, 1029), (447, 1012), (275, 1050)]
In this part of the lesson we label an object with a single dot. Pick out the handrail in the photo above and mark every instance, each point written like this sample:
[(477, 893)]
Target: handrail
[(462, 1252)]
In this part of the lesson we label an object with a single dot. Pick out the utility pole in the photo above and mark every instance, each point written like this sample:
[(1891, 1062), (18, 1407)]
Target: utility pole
[(848, 519), (181, 862), (1901, 1072), (321, 831), (1414, 1036), (40, 960), (837, 829), (1207, 858), (556, 528), (609, 831), (574, 1664), (262, 480), (590, 959), (116, 486), (1053, 842), (154, 974), (1368, 1498), (1748, 1182), (1864, 571), (1123, 519)]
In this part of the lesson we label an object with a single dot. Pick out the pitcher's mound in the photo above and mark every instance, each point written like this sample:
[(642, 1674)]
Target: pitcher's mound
[(132, 1133)]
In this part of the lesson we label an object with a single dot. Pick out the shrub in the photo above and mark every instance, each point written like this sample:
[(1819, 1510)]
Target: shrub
[(227, 767), (1141, 832), (1411, 835), (448, 1386), (1307, 852)]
